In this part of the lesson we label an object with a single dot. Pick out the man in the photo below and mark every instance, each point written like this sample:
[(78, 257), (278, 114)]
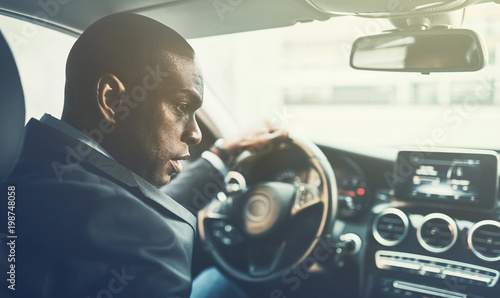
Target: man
[(90, 217)]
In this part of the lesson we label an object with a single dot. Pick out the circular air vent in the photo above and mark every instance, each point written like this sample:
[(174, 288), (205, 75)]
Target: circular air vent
[(437, 233), (390, 227), (484, 240)]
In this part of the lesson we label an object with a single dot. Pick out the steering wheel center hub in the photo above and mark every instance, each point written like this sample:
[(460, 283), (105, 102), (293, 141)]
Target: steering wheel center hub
[(257, 208), (267, 208)]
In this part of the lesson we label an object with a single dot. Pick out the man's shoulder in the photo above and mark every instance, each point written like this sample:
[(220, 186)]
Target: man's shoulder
[(55, 159), (55, 179), (47, 166)]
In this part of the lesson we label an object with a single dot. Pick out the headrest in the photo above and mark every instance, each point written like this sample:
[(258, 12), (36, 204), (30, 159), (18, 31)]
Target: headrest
[(12, 110)]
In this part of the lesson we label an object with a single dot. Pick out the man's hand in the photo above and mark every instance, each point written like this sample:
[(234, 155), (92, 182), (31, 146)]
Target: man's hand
[(251, 140)]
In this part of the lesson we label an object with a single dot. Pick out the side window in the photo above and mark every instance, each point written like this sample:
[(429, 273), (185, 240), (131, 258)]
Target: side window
[(40, 55)]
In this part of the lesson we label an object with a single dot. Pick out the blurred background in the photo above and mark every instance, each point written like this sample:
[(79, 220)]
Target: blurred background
[(300, 78)]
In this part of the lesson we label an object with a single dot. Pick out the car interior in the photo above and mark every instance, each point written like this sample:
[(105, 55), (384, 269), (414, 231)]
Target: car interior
[(388, 184)]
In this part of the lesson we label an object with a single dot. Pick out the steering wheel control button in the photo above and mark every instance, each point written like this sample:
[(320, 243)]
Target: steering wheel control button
[(219, 209), (306, 195), (390, 227), (437, 233), (436, 267), (221, 196), (225, 232)]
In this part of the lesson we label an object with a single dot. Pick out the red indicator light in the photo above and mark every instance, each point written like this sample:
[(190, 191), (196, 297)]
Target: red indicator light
[(360, 191)]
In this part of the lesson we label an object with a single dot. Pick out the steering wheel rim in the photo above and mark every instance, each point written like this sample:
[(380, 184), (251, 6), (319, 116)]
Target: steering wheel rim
[(327, 199)]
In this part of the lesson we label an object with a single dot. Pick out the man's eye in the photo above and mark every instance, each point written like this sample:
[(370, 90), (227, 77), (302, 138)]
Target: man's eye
[(183, 107)]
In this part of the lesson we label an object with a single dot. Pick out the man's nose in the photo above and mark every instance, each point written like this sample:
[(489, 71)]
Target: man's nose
[(192, 134)]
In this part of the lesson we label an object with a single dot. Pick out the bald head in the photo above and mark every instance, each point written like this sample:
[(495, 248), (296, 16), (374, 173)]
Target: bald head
[(122, 44)]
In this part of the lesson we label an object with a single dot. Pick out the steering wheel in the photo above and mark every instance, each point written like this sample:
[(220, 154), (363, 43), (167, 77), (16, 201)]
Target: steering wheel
[(260, 232)]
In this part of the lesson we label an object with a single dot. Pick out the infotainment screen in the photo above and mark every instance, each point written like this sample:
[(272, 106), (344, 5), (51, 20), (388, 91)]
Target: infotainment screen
[(465, 178)]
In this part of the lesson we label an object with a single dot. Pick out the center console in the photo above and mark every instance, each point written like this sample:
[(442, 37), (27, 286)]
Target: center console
[(453, 251)]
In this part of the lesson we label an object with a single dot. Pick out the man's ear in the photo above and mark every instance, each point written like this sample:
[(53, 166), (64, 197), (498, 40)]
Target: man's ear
[(109, 92)]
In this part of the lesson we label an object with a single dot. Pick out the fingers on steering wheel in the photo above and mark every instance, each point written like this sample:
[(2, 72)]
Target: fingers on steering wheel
[(261, 140)]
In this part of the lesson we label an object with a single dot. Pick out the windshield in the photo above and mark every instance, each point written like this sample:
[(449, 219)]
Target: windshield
[(300, 77)]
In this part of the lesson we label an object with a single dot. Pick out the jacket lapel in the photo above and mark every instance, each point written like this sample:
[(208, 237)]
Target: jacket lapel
[(161, 198)]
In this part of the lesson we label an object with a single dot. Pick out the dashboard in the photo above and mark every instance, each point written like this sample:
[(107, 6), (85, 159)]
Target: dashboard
[(439, 236), (428, 222), (434, 231)]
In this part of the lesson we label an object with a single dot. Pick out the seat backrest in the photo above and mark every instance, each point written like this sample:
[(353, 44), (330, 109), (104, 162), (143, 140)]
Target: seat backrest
[(12, 110)]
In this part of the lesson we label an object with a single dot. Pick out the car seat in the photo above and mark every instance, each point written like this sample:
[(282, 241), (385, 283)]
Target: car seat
[(12, 117), (12, 110)]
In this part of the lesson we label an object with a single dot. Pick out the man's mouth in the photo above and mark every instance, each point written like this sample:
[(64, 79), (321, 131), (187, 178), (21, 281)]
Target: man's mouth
[(176, 163)]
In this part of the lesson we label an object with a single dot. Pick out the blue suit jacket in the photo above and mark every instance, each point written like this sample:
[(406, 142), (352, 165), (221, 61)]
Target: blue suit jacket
[(89, 227)]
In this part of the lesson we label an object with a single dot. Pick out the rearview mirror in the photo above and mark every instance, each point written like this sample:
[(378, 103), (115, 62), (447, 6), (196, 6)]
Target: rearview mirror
[(425, 51)]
